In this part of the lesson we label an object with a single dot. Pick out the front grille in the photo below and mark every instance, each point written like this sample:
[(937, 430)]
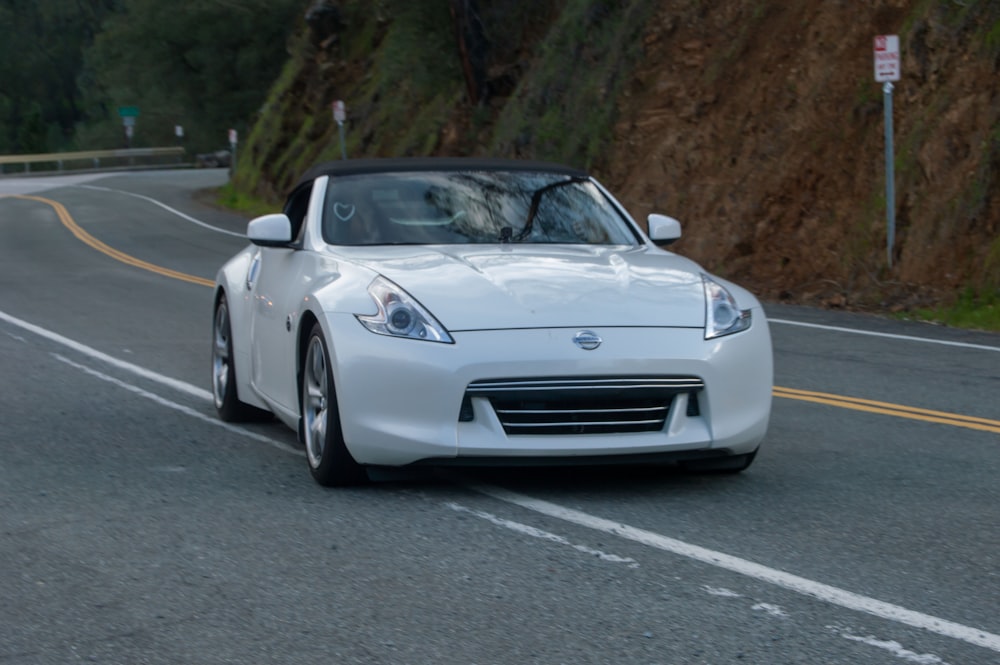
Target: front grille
[(595, 405)]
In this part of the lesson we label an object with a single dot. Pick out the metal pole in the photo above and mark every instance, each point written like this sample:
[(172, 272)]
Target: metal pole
[(339, 116), (890, 174)]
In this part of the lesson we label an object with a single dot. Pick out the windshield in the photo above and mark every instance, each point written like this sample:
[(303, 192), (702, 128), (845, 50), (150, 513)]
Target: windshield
[(470, 207)]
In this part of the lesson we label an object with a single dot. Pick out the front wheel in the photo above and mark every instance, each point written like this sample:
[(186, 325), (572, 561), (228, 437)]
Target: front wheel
[(330, 462), (227, 402)]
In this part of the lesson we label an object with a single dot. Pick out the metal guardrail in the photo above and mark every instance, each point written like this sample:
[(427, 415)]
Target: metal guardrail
[(94, 156)]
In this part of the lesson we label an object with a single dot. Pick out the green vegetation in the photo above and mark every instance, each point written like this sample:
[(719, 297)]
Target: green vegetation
[(992, 38), (416, 78), (41, 42), (978, 17), (229, 197), (564, 109), (975, 310)]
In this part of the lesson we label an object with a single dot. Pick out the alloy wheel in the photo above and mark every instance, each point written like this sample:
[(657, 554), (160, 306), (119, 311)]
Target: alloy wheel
[(220, 355), (315, 400)]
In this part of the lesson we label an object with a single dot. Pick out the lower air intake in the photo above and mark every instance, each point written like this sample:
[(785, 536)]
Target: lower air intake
[(585, 405)]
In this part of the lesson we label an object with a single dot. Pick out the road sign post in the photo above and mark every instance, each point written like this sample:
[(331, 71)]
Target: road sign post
[(886, 52), (179, 135), (890, 174), (340, 115), (232, 151), (128, 114)]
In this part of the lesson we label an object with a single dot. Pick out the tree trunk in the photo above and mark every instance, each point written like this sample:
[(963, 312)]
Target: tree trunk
[(472, 47)]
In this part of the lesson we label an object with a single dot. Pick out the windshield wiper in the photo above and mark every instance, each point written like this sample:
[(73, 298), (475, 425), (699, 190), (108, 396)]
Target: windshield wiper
[(536, 199)]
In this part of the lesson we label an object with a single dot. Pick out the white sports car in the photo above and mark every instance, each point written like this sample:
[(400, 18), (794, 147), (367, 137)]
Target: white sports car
[(460, 311)]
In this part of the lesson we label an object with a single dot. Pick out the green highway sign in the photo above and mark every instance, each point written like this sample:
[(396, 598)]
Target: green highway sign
[(128, 111)]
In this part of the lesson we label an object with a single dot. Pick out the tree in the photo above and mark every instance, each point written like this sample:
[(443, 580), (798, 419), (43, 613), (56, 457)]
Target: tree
[(40, 46), (203, 64)]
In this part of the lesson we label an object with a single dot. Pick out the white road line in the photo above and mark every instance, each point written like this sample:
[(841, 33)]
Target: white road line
[(804, 586), (180, 386), (544, 535), (180, 407), (893, 647), (33, 184), (908, 338), (167, 208), (807, 587), (773, 610)]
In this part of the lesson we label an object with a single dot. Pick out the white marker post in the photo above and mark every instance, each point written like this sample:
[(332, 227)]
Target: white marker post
[(179, 135), (232, 151), (339, 115), (886, 71)]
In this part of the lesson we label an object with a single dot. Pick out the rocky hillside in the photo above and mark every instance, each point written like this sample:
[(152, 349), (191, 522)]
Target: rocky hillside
[(757, 123)]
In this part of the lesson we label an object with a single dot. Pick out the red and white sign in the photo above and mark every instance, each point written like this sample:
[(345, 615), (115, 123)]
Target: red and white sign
[(886, 58), (339, 112), (232, 137)]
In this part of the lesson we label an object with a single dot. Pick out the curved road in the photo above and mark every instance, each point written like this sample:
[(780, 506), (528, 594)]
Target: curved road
[(136, 528)]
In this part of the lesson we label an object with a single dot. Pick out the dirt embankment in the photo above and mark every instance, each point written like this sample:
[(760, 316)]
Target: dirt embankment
[(760, 126)]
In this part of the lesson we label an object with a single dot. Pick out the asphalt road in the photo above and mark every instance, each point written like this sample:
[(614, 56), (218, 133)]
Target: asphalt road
[(136, 528)]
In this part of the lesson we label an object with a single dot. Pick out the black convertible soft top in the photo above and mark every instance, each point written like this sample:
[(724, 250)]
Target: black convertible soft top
[(404, 164)]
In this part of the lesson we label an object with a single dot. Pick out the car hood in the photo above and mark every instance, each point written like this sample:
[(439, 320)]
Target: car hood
[(471, 287)]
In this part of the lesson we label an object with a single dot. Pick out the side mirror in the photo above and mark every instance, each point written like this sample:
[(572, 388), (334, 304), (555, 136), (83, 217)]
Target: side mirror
[(663, 230), (270, 230)]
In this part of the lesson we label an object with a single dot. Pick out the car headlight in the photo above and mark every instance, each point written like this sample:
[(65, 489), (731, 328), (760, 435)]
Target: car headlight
[(400, 315), (722, 315)]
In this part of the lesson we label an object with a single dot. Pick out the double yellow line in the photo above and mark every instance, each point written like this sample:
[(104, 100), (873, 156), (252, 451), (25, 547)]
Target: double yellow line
[(88, 239), (889, 409), (854, 403)]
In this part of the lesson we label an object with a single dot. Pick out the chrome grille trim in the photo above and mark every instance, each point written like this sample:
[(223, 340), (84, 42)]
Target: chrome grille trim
[(507, 385), (661, 409), (595, 423), (583, 405)]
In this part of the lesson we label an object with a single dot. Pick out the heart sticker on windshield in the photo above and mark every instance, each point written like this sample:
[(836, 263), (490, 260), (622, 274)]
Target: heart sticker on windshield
[(343, 211)]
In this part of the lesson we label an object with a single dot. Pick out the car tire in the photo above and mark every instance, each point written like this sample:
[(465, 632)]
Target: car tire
[(227, 402), (330, 462), (721, 465)]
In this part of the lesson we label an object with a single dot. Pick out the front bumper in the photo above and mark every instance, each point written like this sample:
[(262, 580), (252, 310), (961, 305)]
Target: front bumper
[(401, 399)]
